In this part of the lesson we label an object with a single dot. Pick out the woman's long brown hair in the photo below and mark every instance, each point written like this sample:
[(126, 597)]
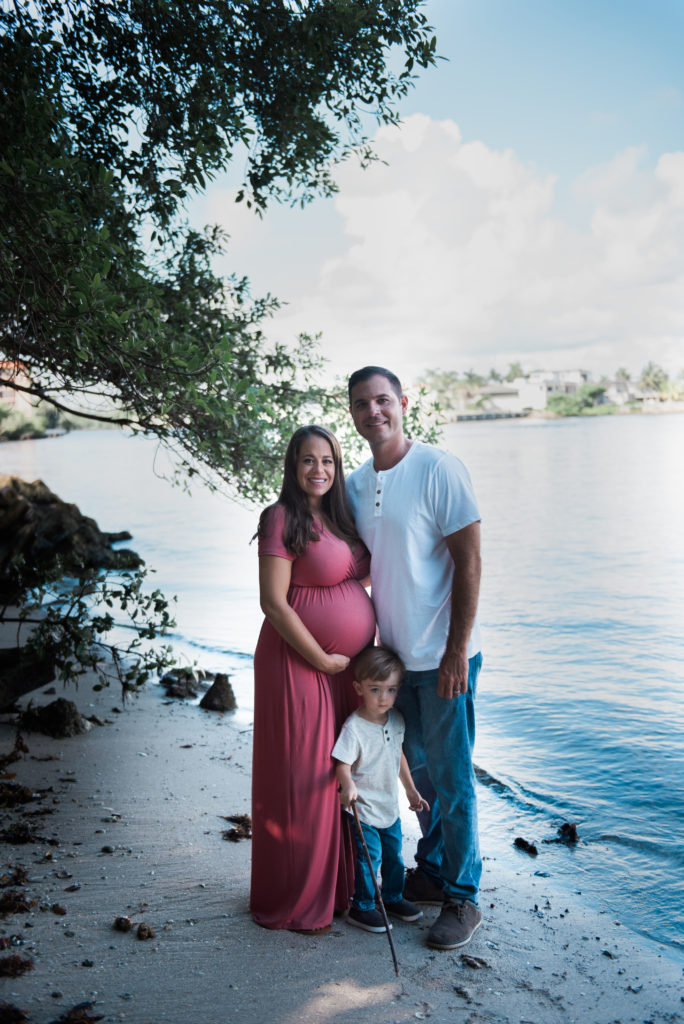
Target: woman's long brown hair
[(300, 528)]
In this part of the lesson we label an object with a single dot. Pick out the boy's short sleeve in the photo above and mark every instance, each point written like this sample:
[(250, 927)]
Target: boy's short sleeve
[(271, 542), (347, 747)]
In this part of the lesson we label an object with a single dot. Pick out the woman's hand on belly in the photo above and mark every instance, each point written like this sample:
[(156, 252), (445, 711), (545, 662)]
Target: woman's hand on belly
[(336, 663)]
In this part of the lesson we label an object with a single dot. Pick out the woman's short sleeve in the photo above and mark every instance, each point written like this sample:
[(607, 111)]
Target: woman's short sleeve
[(271, 543), (361, 560)]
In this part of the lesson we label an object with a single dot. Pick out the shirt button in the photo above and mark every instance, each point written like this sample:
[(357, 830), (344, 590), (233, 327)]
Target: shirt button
[(377, 504)]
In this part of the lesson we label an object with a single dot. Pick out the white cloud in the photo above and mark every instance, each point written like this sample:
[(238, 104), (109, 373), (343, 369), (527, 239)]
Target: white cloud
[(454, 257), (453, 254)]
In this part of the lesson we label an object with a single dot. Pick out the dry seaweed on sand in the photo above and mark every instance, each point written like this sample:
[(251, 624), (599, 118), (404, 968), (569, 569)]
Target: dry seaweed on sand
[(16, 752), (10, 1014), (474, 962), (242, 830), (13, 966), (12, 794), (21, 833), (79, 1014), (13, 901), (19, 876), (145, 931)]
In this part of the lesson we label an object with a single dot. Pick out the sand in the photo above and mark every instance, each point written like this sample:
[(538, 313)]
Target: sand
[(151, 786)]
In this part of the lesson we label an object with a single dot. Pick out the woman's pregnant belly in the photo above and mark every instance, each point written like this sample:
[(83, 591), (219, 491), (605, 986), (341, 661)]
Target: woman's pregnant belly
[(341, 618)]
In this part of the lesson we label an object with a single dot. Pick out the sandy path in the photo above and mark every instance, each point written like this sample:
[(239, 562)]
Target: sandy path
[(209, 963)]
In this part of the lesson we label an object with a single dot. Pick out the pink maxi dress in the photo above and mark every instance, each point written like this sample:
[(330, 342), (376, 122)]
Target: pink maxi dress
[(302, 859)]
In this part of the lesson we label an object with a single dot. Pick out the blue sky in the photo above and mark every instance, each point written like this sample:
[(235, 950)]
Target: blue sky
[(532, 206), (565, 84)]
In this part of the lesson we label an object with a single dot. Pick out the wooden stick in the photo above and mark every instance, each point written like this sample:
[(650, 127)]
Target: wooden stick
[(377, 887)]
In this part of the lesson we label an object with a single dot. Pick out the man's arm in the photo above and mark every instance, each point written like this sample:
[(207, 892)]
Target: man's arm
[(464, 548)]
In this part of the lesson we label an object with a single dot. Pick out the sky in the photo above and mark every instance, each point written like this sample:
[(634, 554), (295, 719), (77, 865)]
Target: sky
[(530, 208)]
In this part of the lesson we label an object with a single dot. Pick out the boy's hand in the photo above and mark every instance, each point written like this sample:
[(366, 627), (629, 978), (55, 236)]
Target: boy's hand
[(348, 793), (416, 802)]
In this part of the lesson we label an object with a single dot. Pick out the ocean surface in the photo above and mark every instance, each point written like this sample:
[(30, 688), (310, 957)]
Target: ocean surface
[(580, 703)]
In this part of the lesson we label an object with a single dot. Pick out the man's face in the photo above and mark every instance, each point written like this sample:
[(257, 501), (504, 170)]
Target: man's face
[(377, 410)]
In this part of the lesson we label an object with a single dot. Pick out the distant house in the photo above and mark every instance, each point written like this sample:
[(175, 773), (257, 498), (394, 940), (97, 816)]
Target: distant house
[(532, 391), (501, 398), (622, 392)]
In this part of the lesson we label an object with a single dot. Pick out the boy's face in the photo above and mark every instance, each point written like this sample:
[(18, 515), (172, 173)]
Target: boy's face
[(378, 694)]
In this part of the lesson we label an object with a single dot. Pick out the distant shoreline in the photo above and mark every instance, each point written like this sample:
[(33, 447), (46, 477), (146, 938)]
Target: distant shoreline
[(545, 414)]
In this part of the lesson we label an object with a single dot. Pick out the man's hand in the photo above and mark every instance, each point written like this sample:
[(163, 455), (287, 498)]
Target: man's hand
[(453, 675)]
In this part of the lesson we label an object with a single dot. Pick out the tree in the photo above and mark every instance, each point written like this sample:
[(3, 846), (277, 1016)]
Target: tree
[(515, 370), (622, 375), (587, 397), (653, 378), (116, 111)]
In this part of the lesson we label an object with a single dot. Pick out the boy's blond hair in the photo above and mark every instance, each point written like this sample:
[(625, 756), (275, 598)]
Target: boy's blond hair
[(377, 663)]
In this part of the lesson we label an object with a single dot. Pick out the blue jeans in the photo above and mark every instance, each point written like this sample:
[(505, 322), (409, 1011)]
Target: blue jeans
[(384, 847), (438, 744)]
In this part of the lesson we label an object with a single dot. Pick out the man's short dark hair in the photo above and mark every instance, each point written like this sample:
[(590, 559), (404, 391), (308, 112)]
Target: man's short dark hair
[(372, 371), (378, 664)]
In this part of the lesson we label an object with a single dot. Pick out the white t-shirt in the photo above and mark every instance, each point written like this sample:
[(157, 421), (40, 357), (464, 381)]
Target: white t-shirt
[(403, 515), (374, 753)]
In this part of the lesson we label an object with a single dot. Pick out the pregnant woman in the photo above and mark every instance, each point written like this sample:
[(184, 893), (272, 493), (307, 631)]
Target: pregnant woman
[(318, 616)]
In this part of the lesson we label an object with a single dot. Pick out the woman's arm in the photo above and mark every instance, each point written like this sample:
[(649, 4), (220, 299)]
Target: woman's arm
[(274, 582)]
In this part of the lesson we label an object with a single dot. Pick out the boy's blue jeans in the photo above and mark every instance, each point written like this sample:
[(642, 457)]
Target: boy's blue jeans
[(384, 847), (438, 744)]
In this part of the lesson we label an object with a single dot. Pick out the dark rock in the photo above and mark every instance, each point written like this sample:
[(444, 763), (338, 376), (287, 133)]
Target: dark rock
[(220, 695), (525, 846), (60, 718), (183, 683), (20, 673), (36, 523), (567, 834)]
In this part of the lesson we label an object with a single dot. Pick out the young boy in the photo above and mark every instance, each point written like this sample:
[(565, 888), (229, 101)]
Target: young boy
[(369, 759)]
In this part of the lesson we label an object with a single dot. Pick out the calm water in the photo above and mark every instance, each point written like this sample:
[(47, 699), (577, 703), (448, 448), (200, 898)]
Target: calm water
[(581, 716)]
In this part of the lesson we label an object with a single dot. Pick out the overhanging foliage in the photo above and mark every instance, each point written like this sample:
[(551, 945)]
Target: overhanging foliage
[(115, 111)]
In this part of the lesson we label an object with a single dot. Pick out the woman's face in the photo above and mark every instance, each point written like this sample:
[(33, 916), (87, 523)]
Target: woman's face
[(315, 468)]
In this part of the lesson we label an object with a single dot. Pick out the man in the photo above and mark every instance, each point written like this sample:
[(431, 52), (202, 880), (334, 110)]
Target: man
[(416, 511)]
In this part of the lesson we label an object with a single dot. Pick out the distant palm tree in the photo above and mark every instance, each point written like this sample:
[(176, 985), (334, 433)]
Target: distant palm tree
[(654, 378)]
